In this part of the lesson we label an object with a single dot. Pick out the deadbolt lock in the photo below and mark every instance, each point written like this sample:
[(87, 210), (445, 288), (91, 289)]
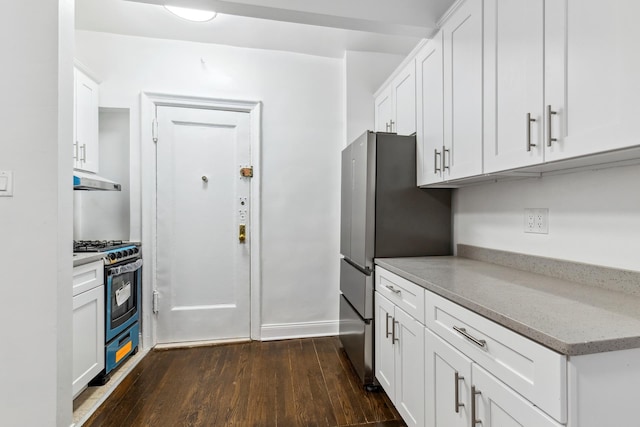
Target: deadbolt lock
[(242, 234)]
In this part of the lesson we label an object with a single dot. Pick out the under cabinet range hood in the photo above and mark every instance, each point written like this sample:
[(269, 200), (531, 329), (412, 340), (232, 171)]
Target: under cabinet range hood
[(93, 182)]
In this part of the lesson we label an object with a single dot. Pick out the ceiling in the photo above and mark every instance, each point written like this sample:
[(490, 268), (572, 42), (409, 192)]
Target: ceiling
[(316, 27)]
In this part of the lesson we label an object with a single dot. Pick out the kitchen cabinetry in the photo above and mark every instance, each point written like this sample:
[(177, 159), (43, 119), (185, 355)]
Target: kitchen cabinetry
[(560, 80), (400, 345), (395, 103), (85, 125), (88, 324)]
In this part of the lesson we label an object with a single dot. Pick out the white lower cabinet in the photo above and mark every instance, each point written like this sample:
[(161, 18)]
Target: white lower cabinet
[(400, 359), (459, 393), (88, 326)]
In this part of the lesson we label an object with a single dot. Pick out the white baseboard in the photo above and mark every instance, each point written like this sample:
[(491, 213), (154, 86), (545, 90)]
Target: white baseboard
[(281, 331)]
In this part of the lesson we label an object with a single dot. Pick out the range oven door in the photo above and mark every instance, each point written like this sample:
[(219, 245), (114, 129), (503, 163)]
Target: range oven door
[(123, 285)]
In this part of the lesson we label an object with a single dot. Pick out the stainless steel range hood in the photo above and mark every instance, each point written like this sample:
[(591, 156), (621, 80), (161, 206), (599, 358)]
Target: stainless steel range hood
[(93, 182)]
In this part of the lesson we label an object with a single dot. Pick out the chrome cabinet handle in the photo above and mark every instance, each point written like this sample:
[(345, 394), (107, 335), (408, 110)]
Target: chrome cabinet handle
[(457, 380), (436, 153), (464, 333), (391, 123), (474, 393), (392, 289), (529, 120), (387, 325), (394, 339), (386, 126), (75, 148), (84, 153), (550, 138), (444, 159)]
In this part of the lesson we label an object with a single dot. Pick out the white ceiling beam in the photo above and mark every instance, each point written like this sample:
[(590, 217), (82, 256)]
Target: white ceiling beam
[(415, 18)]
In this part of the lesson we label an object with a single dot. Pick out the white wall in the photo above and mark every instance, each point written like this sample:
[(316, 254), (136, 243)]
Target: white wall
[(302, 129), (105, 215), (35, 224), (364, 73), (594, 216)]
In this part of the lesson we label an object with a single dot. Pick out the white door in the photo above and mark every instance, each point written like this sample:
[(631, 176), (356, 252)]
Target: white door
[(203, 263), (462, 35), (404, 101), (448, 384), (513, 61), (430, 110), (384, 354), (497, 405), (409, 399)]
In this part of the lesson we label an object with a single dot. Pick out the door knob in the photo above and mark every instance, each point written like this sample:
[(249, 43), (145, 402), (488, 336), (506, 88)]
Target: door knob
[(205, 178), (242, 235)]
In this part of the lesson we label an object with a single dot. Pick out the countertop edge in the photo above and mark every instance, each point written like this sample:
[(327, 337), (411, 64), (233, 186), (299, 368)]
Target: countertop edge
[(87, 258), (565, 348)]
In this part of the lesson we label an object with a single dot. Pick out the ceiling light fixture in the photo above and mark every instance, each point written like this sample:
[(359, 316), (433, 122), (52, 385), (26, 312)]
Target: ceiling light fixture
[(194, 15)]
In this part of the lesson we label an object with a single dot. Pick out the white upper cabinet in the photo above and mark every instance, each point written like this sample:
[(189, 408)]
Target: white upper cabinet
[(592, 69), (514, 83), (462, 41), (383, 114), (395, 103), (430, 112), (561, 80), (85, 127)]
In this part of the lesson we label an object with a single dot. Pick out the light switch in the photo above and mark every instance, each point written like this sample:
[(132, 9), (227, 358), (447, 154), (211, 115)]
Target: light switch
[(6, 183)]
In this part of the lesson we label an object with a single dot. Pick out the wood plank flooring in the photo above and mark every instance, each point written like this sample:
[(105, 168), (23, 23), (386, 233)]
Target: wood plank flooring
[(303, 382)]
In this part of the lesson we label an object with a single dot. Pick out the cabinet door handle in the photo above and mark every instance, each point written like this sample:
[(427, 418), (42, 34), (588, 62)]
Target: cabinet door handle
[(391, 123), (474, 393), (84, 153), (436, 153), (529, 120), (392, 289), (387, 325), (550, 113), (75, 148), (386, 126), (464, 333), (394, 339), (457, 380), (445, 166)]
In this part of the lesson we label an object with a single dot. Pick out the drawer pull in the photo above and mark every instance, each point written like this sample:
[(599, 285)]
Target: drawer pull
[(474, 393), (464, 333), (392, 289), (457, 380)]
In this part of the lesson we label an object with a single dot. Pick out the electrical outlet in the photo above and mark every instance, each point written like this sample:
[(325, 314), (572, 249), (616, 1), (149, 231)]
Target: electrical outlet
[(536, 220)]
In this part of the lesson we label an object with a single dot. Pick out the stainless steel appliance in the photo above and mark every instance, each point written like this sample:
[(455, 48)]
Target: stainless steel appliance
[(383, 214), (123, 284)]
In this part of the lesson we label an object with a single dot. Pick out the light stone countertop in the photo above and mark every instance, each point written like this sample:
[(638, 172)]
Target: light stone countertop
[(82, 258), (568, 317)]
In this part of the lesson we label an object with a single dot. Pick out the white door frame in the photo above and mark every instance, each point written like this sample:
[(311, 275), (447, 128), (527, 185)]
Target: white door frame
[(149, 101)]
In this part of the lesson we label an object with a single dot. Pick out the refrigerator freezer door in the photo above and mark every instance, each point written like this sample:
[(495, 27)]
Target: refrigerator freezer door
[(363, 200), (357, 287), (356, 336)]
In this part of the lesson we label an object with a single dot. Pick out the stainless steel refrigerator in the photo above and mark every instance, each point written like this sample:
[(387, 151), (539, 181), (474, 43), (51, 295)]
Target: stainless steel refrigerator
[(383, 214)]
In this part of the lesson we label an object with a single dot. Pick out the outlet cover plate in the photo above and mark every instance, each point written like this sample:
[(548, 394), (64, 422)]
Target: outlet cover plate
[(536, 220)]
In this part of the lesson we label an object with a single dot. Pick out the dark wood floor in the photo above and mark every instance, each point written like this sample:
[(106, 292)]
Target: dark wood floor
[(305, 382)]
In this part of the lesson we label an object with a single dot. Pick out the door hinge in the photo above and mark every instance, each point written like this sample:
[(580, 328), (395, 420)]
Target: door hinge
[(154, 130), (155, 302), (246, 172)]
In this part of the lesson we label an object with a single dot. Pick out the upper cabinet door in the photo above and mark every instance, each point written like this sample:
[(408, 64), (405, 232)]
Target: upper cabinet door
[(384, 111), (86, 150), (592, 74), (404, 101), (462, 33), (514, 83), (430, 110)]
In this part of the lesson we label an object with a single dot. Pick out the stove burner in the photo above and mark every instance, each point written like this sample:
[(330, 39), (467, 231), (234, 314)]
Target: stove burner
[(98, 245)]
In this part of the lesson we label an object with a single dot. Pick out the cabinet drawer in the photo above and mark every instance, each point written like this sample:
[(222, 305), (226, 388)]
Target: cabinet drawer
[(534, 371), (87, 276), (401, 292)]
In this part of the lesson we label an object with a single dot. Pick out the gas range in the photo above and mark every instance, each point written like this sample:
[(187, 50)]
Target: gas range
[(114, 250)]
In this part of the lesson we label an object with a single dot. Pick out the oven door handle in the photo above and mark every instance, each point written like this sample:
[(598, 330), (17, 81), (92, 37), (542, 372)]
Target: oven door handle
[(127, 268)]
